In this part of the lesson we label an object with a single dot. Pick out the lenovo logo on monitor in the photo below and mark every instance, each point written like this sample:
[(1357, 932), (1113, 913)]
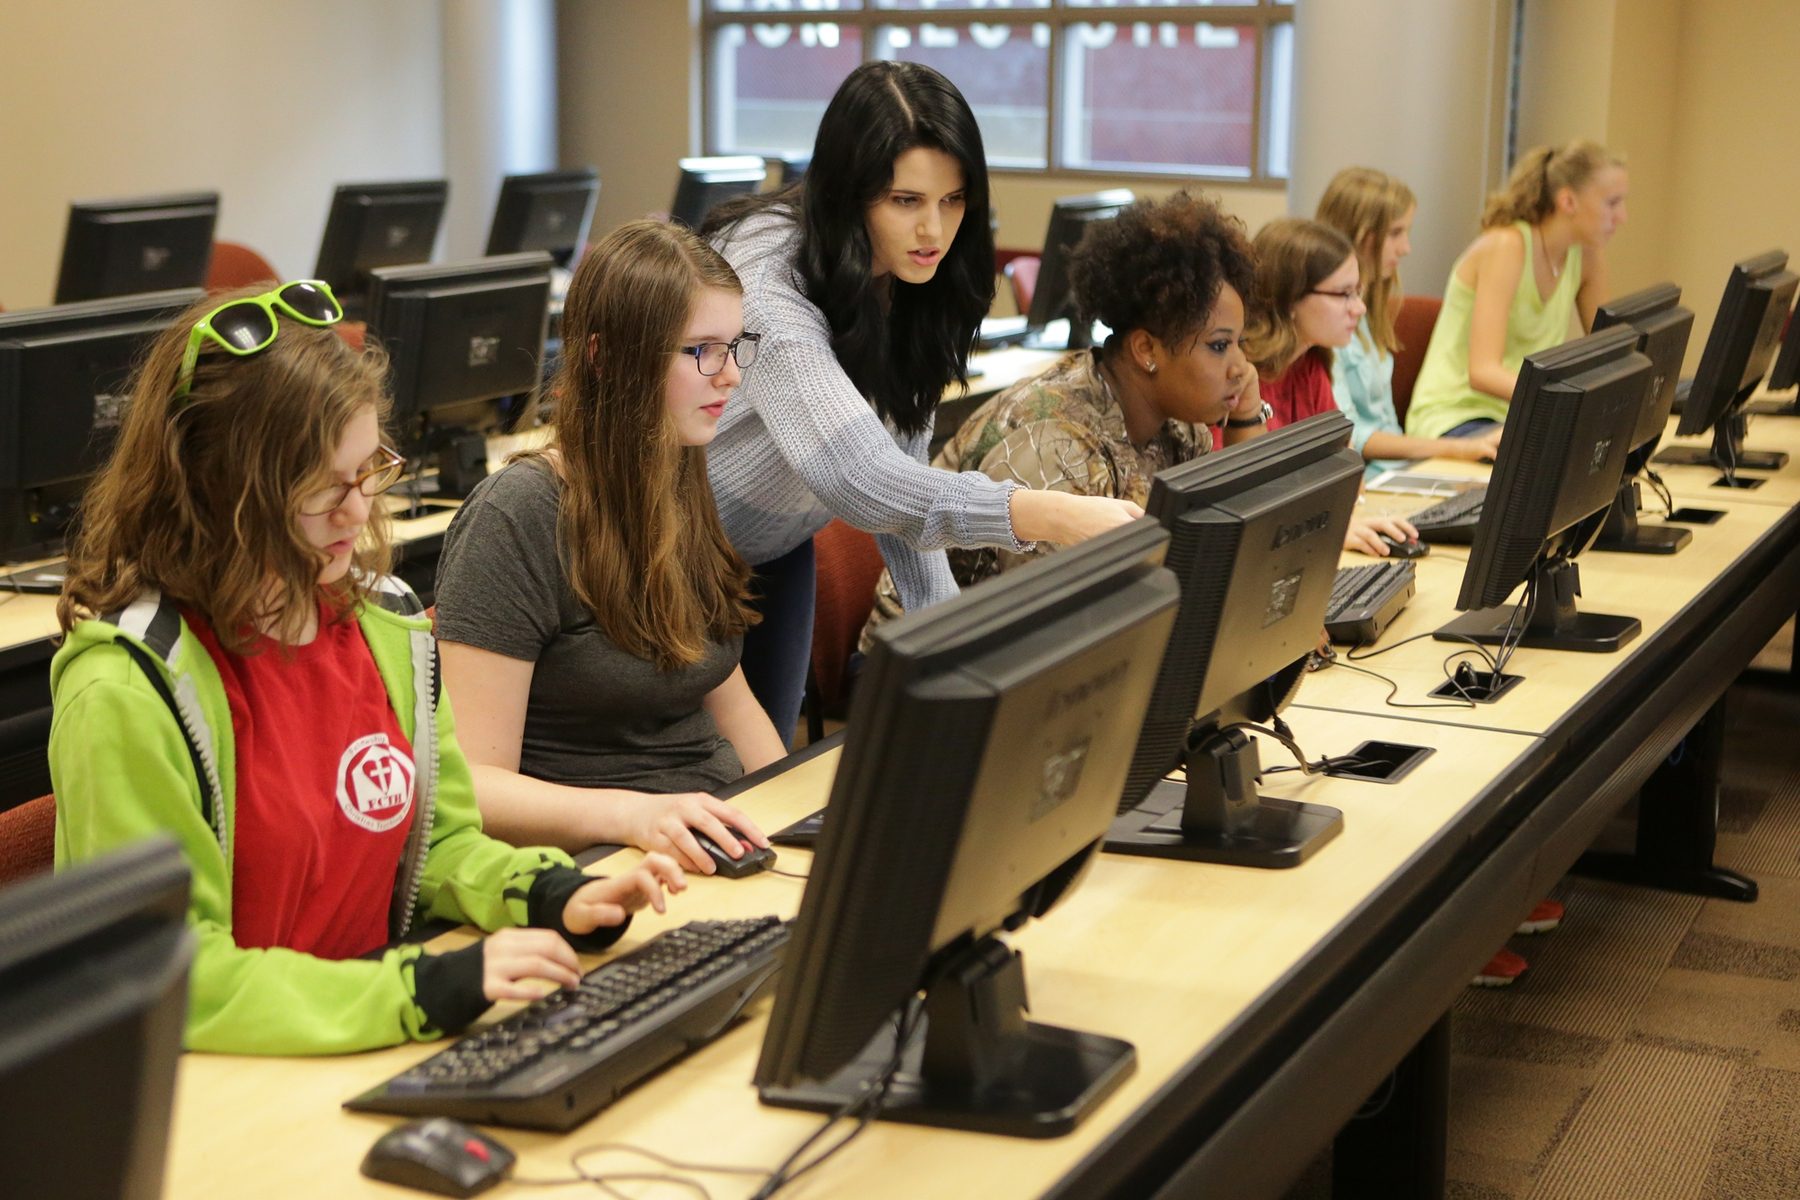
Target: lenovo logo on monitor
[(1286, 534)]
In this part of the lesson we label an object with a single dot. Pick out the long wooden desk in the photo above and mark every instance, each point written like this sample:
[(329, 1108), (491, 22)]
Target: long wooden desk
[(1266, 1006)]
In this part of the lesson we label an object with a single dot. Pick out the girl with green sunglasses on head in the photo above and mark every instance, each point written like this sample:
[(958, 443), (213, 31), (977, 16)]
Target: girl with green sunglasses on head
[(241, 673)]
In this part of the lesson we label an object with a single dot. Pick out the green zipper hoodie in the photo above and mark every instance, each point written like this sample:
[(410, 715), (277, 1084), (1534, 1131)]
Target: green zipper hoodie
[(128, 759)]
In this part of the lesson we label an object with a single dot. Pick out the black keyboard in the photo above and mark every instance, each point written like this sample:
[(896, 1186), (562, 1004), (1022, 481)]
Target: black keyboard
[(46, 578), (560, 1059), (1365, 600), (1451, 520)]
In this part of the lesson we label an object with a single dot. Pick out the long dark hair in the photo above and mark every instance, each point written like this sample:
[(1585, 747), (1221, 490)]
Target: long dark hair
[(904, 357)]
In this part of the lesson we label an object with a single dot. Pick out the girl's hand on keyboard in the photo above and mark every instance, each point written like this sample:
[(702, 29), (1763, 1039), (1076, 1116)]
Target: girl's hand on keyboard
[(609, 901), (513, 961)]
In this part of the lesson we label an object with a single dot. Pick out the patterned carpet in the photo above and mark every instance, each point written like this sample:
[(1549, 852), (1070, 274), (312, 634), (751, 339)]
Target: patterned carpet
[(1652, 1052)]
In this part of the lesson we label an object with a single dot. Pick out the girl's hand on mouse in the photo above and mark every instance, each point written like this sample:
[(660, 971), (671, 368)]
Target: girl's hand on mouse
[(666, 825), (516, 963), (1365, 534), (609, 901)]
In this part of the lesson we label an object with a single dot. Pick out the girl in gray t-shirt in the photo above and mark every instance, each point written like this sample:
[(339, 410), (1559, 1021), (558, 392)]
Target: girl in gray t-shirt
[(590, 608)]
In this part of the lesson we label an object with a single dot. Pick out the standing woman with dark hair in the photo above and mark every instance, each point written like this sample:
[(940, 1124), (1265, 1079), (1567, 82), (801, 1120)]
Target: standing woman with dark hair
[(1536, 267), (868, 281)]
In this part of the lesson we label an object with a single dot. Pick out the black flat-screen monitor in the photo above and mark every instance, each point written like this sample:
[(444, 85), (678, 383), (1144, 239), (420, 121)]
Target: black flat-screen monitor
[(705, 182), (1256, 534), (549, 212), (64, 373), (146, 244), (1569, 428), (93, 998), (374, 225), (988, 742), (1739, 348), (1663, 327), (1070, 218), (465, 343), (1784, 375)]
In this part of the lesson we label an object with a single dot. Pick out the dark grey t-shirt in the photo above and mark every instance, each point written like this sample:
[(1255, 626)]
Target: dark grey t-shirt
[(597, 716)]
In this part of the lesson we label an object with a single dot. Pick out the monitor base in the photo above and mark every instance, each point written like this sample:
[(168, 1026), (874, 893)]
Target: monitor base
[(1747, 460), (976, 1063), (1594, 633), (1645, 539), (1773, 408), (1267, 833)]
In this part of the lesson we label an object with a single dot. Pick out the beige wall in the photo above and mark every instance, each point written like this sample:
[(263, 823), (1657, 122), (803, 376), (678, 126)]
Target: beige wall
[(268, 103)]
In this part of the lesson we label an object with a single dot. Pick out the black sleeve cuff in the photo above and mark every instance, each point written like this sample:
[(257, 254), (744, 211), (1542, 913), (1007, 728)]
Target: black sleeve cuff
[(544, 904), (448, 987)]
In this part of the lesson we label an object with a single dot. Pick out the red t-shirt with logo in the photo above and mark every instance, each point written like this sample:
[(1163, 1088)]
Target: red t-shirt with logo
[(1301, 391), (324, 792)]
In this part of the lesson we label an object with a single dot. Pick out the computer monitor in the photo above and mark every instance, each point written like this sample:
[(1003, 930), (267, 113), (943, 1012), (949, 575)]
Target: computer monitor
[(1784, 375), (1663, 327), (549, 212), (987, 745), (460, 337), (1070, 218), (1739, 348), (93, 997), (1256, 534), (706, 182), (374, 225), (793, 168), (127, 247), (1569, 428), (64, 373)]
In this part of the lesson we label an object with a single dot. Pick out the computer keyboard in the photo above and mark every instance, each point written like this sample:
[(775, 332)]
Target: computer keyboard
[(556, 1062), (1365, 600), (1451, 520), (46, 578)]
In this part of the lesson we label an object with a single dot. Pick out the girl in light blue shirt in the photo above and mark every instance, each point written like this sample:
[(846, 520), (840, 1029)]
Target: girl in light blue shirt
[(1375, 212)]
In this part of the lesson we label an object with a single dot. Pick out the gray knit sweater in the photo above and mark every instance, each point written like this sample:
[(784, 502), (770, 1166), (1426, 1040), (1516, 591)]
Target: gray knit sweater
[(798, 444)]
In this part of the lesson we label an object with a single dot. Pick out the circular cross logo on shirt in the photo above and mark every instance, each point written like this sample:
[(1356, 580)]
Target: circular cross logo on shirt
[(375, 783)]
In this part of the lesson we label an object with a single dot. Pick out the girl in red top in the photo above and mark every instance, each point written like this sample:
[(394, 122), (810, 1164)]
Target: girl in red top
[(1309, 300)]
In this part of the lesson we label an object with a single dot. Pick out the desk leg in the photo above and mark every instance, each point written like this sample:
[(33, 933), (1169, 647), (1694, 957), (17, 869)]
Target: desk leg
[(1678, 818), (1396, 1147)]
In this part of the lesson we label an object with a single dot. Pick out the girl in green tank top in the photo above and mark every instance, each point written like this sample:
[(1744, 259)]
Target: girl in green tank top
[(1536, 266)]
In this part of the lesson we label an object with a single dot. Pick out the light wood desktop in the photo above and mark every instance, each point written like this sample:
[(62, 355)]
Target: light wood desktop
[(1164, 954)]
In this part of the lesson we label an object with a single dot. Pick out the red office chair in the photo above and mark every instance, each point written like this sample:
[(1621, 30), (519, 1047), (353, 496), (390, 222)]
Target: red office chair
[(848, 568), (1022, 274), (27, 839), (234, 266), (1418, 315)]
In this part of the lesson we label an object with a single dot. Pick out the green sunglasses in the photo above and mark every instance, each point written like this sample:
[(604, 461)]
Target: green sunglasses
[(248, 326)]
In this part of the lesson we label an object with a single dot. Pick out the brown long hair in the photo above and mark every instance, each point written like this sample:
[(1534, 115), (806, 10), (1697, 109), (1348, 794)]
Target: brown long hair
[(639, 533), (1293, 256), (201, 495), (1362, 204), (1541, 172)]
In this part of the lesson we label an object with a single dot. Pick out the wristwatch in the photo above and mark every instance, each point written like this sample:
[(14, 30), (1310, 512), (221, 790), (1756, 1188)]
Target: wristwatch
[(1261, 418)]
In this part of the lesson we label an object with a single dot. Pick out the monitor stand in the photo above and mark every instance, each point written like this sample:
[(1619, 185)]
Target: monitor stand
[(1552, 624), (1624, 534), (1727, 452), (976, 1063), (1774, 408), (1216, 816)]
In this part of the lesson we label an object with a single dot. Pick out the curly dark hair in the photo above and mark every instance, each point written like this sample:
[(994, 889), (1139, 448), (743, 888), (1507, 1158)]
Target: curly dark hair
[(1159, 267)]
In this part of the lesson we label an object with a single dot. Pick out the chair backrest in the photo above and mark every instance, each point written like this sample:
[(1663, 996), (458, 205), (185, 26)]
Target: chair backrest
[(848, 568), (1418, 314), (27, 839), (234, 266), (1022, 274)]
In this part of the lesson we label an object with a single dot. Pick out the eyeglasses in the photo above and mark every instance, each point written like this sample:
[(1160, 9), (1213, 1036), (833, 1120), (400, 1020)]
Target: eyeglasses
[(709, 357), (383, 472), (1347, 297), (248, 326)]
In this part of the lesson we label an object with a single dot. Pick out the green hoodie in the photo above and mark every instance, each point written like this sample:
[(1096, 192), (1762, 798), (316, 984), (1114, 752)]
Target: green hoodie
[(128, 761)]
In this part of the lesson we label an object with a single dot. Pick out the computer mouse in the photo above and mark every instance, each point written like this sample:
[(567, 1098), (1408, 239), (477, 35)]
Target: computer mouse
[(437, 1154), (1397, 549), (754, 859)]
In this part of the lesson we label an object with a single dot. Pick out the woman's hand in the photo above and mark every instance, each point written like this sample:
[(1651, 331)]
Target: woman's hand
[(1365, 534), (1045, 516), (609, 901), (515, 963), (666, 825)]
